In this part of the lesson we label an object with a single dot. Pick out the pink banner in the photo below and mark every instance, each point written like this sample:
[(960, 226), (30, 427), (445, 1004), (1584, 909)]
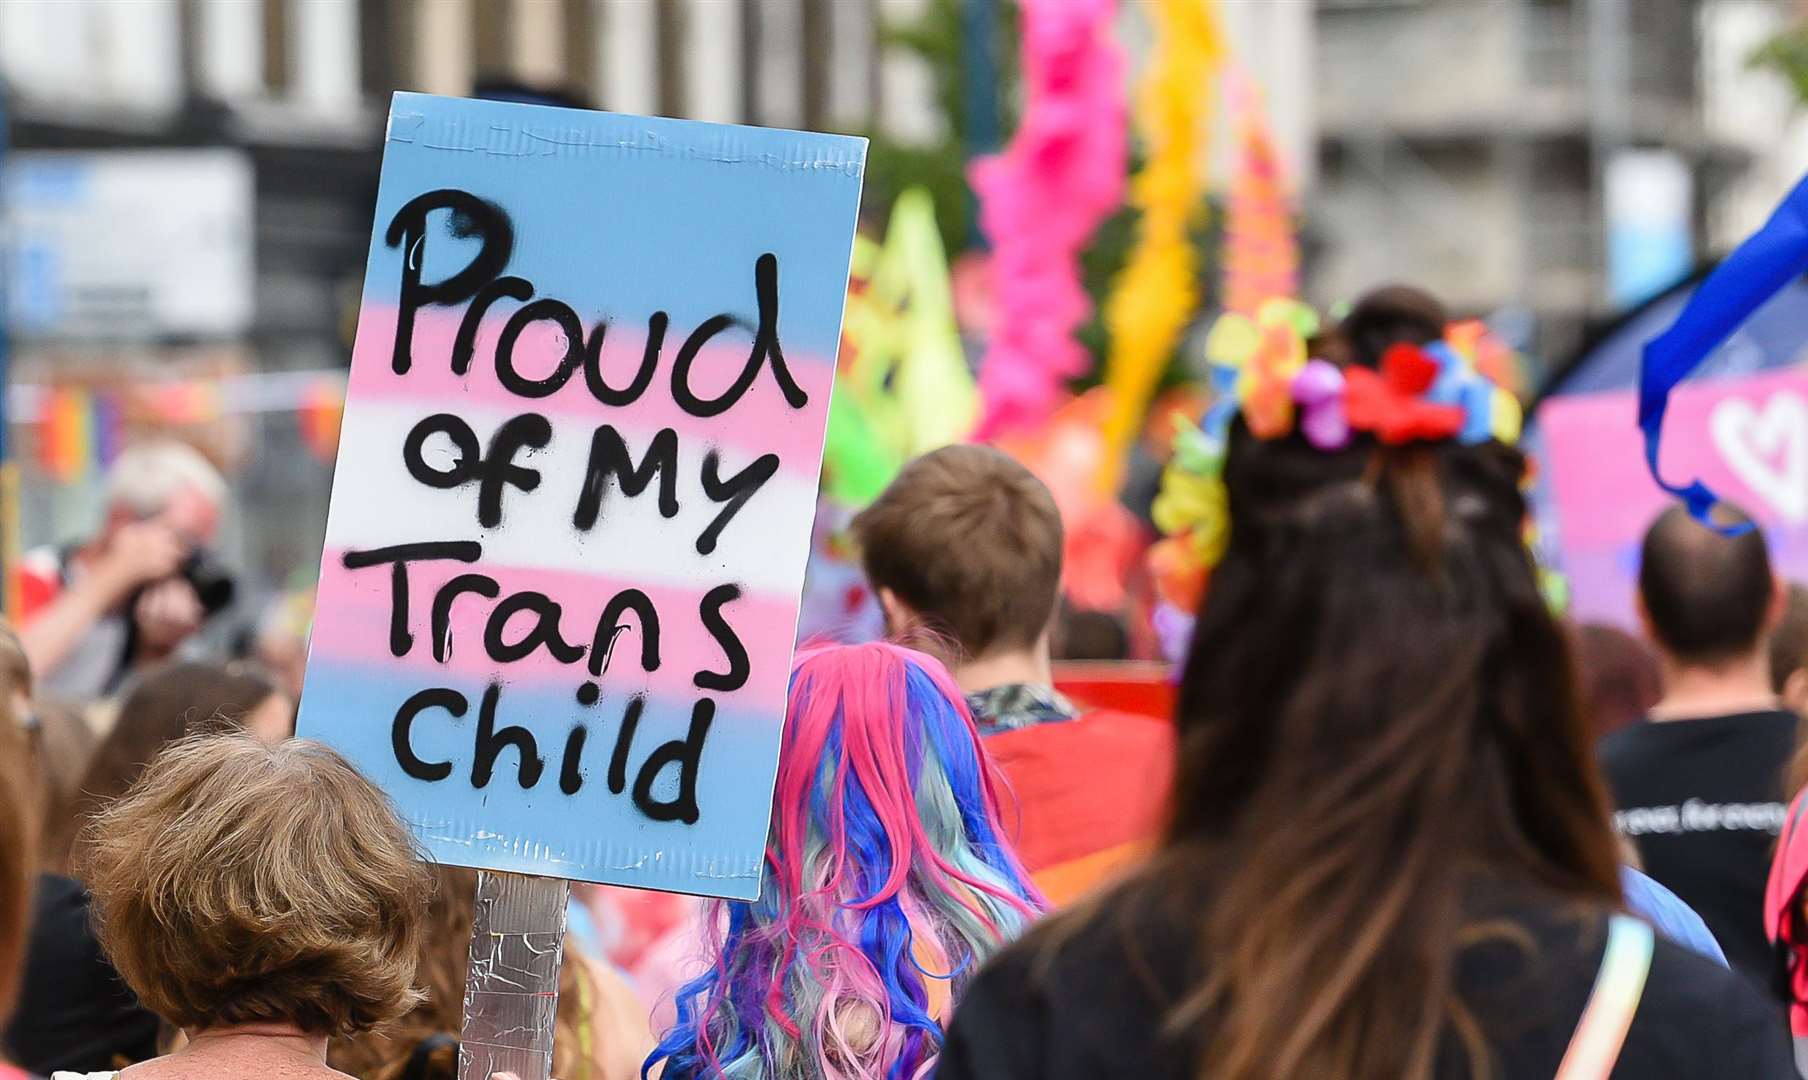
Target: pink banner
[(1746, 436)]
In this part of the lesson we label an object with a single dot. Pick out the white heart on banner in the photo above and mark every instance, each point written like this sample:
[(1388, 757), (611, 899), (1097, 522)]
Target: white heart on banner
[(1767, 449)]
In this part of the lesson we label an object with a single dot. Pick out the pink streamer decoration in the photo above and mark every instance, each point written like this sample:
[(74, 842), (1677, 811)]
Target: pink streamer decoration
[(1041, 200)]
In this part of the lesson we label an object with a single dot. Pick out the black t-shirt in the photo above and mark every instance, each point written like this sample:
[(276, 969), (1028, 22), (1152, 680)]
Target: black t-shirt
[(1090, 1000), (1703, 801), (74, 1013)]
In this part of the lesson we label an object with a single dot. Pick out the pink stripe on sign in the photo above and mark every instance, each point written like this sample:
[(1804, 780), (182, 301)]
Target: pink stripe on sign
[(356, 628), (762, 421)]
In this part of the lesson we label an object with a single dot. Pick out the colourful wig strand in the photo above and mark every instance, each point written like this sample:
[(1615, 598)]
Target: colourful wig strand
[(887, 884)]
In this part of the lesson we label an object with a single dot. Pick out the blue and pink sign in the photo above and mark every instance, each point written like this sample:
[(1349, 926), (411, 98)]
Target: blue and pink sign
[(576, 484), (1746, 436)]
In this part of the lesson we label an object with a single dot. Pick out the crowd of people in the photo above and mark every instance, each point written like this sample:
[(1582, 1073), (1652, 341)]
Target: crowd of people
[(1404, 822)]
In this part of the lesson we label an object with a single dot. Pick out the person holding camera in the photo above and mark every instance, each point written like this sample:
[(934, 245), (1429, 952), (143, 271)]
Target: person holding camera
[(134, 593)]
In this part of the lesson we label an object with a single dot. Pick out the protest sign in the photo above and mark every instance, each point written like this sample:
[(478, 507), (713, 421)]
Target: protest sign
[(1746, 436), (576, 482)]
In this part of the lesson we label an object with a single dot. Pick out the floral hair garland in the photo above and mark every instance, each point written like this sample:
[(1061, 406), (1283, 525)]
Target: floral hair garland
[(1261, 369)]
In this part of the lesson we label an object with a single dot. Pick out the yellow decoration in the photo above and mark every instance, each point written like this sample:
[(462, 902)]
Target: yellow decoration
[(1506, 417), (1156, 295), (1182, 501), (1232, 339), (905, 335), (1194, 506), (904, 386), (1265, 352)]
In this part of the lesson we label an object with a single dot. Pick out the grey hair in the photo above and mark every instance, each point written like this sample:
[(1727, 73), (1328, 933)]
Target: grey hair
[(148, 476)]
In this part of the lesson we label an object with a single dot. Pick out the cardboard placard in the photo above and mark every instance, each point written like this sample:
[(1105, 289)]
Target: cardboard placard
[(576, 483), (1746, 436)]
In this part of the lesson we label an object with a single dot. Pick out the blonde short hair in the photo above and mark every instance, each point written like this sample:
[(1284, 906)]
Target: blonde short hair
[(239, 882)]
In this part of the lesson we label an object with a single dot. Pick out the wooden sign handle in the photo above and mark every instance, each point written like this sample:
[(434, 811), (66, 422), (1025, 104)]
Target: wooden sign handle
[(512, 985)]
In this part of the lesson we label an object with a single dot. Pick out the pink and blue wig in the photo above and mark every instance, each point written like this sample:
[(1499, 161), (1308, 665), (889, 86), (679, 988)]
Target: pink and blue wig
[(886, 873)]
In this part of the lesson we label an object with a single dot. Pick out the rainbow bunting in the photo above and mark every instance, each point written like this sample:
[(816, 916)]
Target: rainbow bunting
[(79, 430), (190, 401), (107, 428), (319, 414), (66, 434)]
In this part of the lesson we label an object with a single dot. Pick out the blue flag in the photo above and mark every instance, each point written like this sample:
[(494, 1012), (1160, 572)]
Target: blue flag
[(1768, 260)]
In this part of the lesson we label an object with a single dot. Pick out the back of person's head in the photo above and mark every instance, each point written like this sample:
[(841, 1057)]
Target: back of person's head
[(1619, 677), (1377, 708), (168, 704), (15, 666), (885, 844), (423, 1045), (1090, 635), (1706, 598), (149, 476), (1382, 318), (1789, 671), (18, 853), (970, 542), (240, 882), (57, 740), (1789, 649), (62, 747)]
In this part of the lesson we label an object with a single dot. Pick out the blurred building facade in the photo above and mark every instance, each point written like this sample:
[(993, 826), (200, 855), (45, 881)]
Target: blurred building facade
[(1559, 157), (303, 85), (1469, 144), (299, 89)]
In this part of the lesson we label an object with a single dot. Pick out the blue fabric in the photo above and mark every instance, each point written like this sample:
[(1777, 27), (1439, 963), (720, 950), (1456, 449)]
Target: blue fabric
[(1666, 912), (1769, 259)]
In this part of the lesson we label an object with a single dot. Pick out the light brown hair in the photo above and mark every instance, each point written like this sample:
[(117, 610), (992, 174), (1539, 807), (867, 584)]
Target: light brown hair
[(240, 882), (970, 541)]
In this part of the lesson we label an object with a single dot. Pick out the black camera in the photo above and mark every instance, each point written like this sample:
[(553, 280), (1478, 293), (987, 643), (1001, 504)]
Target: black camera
[(214, 585)]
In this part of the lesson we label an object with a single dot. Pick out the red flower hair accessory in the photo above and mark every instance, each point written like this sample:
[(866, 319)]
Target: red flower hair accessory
[(1391, 403)]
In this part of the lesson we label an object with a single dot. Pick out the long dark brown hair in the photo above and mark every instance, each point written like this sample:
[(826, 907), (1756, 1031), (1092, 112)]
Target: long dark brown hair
[(1377, 706)]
